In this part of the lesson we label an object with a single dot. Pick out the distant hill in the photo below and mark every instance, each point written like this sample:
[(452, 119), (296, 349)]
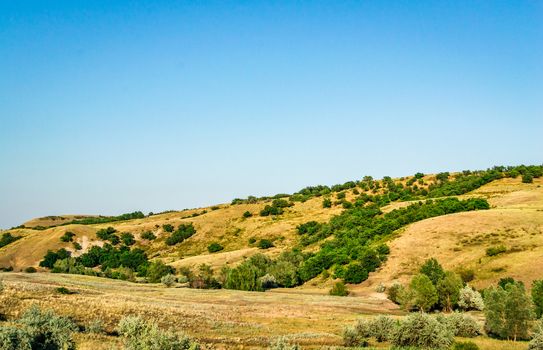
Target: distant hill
[(514, 221)]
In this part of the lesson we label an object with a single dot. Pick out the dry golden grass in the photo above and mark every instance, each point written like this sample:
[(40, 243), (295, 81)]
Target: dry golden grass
[(461, 240), (225, 318)]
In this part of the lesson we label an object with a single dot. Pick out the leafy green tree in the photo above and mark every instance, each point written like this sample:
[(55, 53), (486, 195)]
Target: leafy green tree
[(508, 312), (355, 273), (433, 269), (537, 297), (424, 293), (448, 289)]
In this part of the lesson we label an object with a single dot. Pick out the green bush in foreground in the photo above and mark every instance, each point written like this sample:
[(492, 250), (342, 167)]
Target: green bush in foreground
[(41, 330), (424, 331), (139, 334), (282, 343)]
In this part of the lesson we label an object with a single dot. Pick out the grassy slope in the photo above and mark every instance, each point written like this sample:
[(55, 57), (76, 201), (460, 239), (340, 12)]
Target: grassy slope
[(515, 220)]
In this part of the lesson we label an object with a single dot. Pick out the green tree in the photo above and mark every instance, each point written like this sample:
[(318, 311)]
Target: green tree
[(424, 293), (527, 178), (537, 297), (433, 269), (157, 269), (448, 289), (508, 312)]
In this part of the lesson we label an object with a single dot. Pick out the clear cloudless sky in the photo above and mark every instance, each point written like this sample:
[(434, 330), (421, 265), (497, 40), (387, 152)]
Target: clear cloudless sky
[(108, 107)]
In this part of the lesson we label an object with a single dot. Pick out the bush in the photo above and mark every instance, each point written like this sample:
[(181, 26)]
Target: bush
[(265, 244), (30, 269), (468, 345), (270, 210), (326, 203), (268, 281), (393, 292), (470, 299), (168, 228), (462, 325), (67, 237), (537, 342), (168, 280), (95, 326), (140, 334), (424, 331), (355, 273), (247, 214), (183, 232), (214, 247), (64, 290), (156, 270), (527, 178), (353, 338), (492, 251), (42, 330), (7, 238), (77, 246), (51, 257), (282, 344), (127, 239), (383, 327), (148, 235), (339, 289), (467, 275)]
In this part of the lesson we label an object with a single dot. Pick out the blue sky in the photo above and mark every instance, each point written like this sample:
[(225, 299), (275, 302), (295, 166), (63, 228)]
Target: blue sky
[(109, 107)]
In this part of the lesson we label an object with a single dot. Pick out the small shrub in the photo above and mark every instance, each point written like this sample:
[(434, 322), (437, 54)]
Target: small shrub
[(424, 331), (393, 292), (353, 338), (95, 326), (462, 325), (64, 290), (265, 244), (140, 334), (537, 342), (30, 269), (326, 203), (493, 251), (382, 328), (468, 345), (470, 299), (467, 275), (268, 281), (77, 246), (67, 237), (168, 280), (148, 235), (168, 228), (527, 178), (282, 343), (127, 239), (252, 240), (247, 214), (157, 269), (339, 289), (214, 247)]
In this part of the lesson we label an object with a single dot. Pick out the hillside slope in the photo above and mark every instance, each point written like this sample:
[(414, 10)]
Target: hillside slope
[(515, 221), (459, 241)]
